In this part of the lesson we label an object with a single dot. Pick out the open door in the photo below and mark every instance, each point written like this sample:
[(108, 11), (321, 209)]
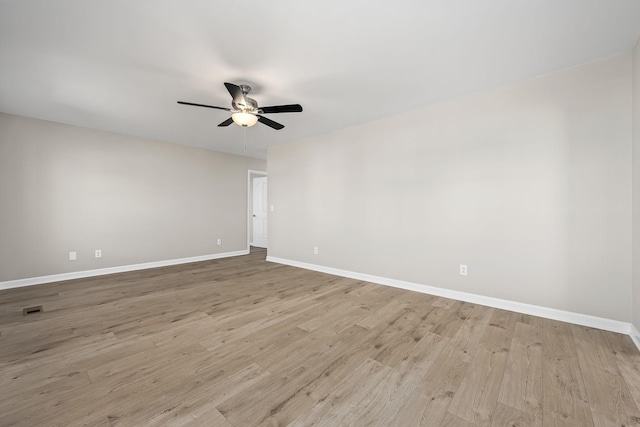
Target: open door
[(260, 212)]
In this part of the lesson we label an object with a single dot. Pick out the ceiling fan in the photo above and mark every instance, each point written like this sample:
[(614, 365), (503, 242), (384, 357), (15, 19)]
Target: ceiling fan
[(245, 111)]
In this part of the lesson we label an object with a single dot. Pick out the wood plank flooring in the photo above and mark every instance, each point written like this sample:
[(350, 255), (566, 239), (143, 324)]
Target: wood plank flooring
[(243, 342)]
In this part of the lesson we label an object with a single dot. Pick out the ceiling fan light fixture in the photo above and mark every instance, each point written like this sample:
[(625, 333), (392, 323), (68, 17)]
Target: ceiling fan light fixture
[(245, 111), (244, 119)]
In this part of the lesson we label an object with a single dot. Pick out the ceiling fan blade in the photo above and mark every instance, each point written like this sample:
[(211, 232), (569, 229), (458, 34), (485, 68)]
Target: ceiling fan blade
[(226, 122), (269, 122), (236, 93), (203, 105), (292, 108)]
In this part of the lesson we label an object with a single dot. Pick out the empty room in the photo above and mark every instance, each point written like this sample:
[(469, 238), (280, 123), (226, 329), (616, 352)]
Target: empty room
[(248, 213)]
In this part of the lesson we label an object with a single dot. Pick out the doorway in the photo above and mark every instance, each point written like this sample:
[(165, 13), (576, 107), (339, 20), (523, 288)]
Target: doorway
[(260, 212), (257, 230)]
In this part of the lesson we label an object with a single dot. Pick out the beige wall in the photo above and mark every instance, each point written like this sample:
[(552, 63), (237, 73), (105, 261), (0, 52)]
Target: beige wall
[(529, 186), (65, 188), (636, 186)]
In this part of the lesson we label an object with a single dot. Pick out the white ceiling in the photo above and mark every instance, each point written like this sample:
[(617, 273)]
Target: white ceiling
[(121, 65)]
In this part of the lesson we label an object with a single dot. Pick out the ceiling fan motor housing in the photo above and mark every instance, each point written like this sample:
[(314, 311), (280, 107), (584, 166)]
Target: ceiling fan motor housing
[(250, 105)]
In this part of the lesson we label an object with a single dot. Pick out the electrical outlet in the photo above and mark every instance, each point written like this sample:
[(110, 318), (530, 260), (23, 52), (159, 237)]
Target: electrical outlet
[(273, 208), (463, 269), (98, 253), (219, 242), (73, 256), (315, 250)]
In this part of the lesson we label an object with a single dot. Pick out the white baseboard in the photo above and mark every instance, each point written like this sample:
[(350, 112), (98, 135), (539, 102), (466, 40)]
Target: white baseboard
[(110, 270), (635, 336), (534, 310)]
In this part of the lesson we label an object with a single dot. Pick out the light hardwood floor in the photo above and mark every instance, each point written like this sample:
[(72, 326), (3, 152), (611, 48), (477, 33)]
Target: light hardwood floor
[(243, 342)]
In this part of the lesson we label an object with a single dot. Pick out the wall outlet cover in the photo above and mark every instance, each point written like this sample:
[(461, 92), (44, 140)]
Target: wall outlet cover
[(463, 269)]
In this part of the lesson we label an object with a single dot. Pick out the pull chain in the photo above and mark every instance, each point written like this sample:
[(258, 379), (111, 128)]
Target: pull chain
[(245, 139)]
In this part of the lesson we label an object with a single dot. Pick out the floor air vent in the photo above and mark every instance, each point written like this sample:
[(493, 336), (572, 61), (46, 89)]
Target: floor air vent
[(31, 310)]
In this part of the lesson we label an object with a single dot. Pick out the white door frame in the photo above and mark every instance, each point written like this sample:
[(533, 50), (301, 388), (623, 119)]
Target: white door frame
[(251, 173)]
